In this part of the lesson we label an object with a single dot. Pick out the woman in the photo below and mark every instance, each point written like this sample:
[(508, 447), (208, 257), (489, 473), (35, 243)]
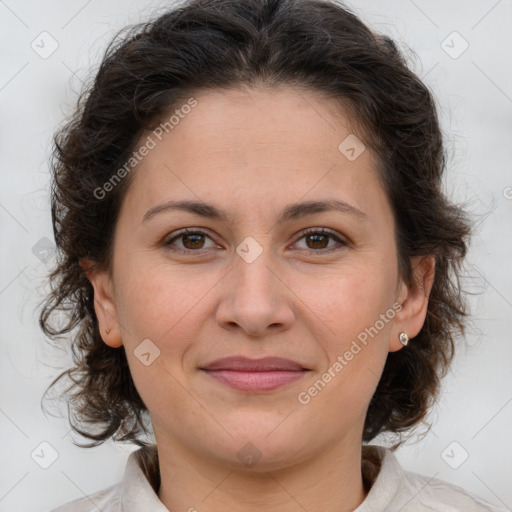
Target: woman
[(258, 263)]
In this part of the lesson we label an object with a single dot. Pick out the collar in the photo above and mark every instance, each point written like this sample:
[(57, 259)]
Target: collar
[(141, 482), (385, 477)]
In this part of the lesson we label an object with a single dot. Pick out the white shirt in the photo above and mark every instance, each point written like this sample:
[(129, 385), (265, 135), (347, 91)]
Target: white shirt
[(392, 490)]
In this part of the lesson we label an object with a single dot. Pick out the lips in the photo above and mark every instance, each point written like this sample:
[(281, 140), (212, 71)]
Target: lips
[(255, 375), (244, 364)]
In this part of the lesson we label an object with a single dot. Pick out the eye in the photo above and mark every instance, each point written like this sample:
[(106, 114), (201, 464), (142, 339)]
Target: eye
[(319, 239), (191, 240)]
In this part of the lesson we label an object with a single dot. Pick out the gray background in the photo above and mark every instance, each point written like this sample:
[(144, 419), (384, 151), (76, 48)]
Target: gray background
[(474, 92)]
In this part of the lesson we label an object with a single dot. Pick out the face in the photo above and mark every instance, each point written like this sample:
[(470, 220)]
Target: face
[(256, 277)]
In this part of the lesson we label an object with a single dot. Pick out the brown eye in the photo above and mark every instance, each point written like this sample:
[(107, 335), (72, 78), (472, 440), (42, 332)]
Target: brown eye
[(194, 241), (317, 240), (188, 241)]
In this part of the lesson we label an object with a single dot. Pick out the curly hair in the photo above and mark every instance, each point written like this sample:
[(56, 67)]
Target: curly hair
[(318, 45)]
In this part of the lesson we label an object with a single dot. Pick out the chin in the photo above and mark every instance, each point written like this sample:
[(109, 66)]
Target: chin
[(262, 449)]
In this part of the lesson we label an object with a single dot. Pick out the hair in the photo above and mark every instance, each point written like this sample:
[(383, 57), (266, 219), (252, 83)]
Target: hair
[(318, 46)]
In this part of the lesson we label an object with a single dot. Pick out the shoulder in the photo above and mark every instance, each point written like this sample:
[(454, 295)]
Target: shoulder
[(107, 500), (427, 493), (135, 492), (394, 489)]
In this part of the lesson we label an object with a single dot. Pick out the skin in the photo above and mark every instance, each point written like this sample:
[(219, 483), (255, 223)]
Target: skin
[(251, 152)]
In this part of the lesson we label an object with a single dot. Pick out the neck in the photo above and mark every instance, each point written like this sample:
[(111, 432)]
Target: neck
[(329, 482)]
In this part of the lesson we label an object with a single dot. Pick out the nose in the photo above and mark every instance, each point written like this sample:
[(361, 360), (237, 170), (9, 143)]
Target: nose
[(254, 298)]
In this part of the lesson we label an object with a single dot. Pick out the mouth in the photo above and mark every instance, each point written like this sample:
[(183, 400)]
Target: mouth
[(255, 375)]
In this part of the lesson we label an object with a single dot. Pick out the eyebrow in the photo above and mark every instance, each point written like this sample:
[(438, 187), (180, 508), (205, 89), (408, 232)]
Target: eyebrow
[(290, 212)]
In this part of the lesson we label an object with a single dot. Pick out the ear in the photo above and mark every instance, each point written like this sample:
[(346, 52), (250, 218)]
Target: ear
[(414, 301), (104, 303)]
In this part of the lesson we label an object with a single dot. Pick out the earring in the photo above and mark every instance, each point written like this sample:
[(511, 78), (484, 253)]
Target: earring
[(107, 330), (404, 339)]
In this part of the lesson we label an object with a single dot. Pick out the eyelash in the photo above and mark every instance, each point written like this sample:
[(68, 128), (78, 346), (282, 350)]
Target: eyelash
[(309, 231)]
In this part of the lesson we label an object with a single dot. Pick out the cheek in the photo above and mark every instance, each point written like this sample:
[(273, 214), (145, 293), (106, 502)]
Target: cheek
[(163, 306), (158, 302), (350, 300), (356, 307)]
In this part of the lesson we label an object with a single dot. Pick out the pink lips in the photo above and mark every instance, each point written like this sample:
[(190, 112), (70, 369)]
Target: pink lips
[(255, 375)]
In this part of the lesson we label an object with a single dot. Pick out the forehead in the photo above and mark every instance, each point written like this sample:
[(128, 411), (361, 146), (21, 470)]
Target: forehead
[(282, 144)]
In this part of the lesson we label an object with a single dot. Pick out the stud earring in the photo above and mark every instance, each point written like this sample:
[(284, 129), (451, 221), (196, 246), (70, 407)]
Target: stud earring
[(404, 339), (107, 330)]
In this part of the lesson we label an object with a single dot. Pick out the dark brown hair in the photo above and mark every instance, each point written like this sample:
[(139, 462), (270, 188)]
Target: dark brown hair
[(316, 45)]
